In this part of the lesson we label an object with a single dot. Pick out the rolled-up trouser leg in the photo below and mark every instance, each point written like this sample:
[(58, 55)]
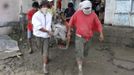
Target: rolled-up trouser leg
[(82, 47), (38, 43), (79, 47), (42, 44), (86, 47), (45, 47)]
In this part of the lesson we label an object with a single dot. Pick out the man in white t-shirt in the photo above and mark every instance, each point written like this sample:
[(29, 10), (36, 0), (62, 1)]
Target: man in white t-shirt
[(41, 21)]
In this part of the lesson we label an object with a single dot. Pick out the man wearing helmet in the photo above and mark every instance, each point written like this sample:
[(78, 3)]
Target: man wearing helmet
[(86, 23)]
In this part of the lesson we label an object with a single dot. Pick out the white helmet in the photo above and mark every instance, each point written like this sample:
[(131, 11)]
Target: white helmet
[(49, 0), (86, 4), (86, 7)]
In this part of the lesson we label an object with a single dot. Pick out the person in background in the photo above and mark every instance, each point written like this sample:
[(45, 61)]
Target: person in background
[(59, 4), (86, 23), (96, 6), (42, 30), (68, 14), (30, 14), (51, 8), (69, 11)]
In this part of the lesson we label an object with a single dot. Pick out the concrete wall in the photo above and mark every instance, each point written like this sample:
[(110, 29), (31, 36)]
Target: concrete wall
[(27, 4), (9, 11), (119, 12), (109, 11), (119, 36)]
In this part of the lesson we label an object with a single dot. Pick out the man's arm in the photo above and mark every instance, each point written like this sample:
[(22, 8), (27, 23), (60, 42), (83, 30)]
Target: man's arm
[(101, 37), (71, 23), (44, 30), (37, 24), (98, 27), (69, 32)]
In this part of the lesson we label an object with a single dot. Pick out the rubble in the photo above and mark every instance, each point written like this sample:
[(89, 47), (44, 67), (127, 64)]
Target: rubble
[(8, 47), (124, 64)]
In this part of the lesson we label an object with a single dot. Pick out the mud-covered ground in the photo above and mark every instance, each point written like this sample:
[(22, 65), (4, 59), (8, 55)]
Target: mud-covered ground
[(100, 60)]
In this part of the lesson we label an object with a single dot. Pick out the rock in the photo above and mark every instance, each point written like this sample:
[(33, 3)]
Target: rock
[(30, 73), (8, 47), (80, 73), (2, 67), (67, 72), (4, 30), (1, 73), (123, 53), (27, 73), (7, 44), (4, 55), (124, 64), (20, 73), (58, 72), (131, 43)]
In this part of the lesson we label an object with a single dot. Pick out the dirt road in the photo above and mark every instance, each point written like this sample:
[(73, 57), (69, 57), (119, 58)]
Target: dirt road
[(102, 60)]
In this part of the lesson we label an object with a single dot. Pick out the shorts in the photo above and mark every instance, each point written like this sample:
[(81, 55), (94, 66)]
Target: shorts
[(81, 47), (43, 45), (29, 34)]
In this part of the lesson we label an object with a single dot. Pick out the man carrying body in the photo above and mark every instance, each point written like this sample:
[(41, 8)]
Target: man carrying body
[(42, 31), (86, 23)]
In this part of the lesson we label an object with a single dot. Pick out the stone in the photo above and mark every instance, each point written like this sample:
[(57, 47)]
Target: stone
[(1, 73), (20, 73), (123, 53), (124, 64), (68, 72), (4, 55), (4, 30), (2, 67), (58, 72), (8, 47)]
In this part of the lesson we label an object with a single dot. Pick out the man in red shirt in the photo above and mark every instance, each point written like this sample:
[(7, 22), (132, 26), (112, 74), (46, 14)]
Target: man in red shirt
[(86, 23), (59, 4), (30, 13)]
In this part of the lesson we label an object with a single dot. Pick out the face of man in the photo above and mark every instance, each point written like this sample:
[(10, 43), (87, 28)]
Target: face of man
[(44, 10), (44, 7), (86, 7), (87, 10), (35, 8)]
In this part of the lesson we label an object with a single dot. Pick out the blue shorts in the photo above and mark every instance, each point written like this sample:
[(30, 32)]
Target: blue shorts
[(29, 34)]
